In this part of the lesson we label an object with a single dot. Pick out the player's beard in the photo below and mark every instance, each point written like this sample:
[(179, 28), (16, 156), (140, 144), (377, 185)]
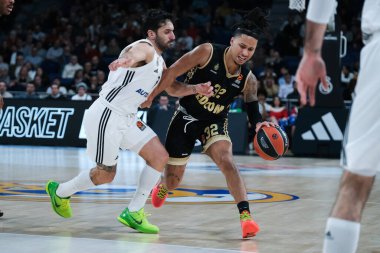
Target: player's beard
[(161, 43)]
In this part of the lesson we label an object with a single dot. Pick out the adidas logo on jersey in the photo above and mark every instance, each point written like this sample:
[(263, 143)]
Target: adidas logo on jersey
[(142, 92), (327, 131)]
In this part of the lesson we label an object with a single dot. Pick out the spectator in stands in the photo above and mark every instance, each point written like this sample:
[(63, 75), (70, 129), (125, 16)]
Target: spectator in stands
[(270, 87), (294, 95), (346, 76), (101, 78), (16, 67), (55, 93), (44, 79), (286, 84), (4, 76), (38, 84), (268, 72), (278, 113), (55, 52), (82, 93), (3, 65), (71, 67), (113, 48), (30, 92), (3, 91), (274, 60), (185, 42), (349, 90), (78, 77), (87, 70), (34, 58), (264, 107), (94, 85), (163, 103)]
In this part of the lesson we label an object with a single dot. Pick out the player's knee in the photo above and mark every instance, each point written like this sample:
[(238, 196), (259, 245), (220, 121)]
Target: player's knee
[(223, 158)]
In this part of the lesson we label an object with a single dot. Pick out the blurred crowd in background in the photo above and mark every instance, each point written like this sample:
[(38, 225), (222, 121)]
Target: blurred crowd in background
[(60, 50)]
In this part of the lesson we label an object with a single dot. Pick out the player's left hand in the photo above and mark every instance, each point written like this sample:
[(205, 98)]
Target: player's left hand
[(264, 123), (204, 89), (311, 69)]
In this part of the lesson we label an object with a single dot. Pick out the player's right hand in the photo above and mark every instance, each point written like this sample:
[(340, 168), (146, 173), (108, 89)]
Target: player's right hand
[(121, 62), (205, 89), (147, 103)]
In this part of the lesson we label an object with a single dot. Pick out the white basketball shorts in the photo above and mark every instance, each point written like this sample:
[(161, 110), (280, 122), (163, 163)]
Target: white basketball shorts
[(361, 147), (107, 132)]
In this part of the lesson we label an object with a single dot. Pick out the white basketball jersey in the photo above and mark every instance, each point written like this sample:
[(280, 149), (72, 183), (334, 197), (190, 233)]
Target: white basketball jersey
[(370, 17), (126, 88)]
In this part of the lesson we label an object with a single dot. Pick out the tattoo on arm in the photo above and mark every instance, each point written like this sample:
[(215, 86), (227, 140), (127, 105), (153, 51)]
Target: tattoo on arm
[(250, 91)]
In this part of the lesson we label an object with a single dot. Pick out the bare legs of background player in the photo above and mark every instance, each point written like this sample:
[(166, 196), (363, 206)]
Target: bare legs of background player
[(343, 226)]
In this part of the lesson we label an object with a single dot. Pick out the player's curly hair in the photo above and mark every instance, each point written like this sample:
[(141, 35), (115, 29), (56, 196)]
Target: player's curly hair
[(254, 24), (154, 19)]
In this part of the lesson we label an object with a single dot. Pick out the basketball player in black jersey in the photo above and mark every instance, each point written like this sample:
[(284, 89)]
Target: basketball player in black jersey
[(203, 118)]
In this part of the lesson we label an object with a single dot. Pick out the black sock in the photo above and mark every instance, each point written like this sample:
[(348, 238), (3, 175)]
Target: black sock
[(243, 205)]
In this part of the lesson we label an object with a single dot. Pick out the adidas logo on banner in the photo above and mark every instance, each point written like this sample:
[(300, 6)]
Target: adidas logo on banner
[(319, 131)]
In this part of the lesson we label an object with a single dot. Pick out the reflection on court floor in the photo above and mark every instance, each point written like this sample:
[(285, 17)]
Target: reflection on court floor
[(290, 199)]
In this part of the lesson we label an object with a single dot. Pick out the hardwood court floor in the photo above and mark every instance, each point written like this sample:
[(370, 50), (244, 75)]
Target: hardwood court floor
[(290, 199)]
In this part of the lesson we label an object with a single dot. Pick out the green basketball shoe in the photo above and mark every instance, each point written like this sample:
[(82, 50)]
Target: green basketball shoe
[(137, 220), (60, 205)]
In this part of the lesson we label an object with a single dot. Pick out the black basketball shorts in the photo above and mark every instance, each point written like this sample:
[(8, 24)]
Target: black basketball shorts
[(183, 132)]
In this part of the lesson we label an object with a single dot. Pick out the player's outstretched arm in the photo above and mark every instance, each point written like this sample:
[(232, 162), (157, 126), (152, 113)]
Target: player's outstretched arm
[(312, 68), (197, 57), (141, 52)]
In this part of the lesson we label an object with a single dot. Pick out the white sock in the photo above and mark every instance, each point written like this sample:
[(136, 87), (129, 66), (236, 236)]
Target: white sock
[(148, 179), (341, 236), (79, 183)]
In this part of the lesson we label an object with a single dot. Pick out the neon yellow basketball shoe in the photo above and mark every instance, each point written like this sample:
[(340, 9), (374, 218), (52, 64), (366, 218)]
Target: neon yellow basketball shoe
[(138, 221), (60, 205)]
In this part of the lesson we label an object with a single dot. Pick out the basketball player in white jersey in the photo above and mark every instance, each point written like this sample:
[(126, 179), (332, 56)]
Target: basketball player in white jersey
[(360, 157), (111, 123)]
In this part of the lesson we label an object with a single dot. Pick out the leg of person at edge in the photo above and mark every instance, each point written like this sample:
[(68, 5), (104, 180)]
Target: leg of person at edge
[(111, 123), (6, 7), (360, 159), (205, 119)]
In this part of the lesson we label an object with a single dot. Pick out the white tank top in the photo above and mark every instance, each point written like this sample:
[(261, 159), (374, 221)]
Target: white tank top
[(126, 88)]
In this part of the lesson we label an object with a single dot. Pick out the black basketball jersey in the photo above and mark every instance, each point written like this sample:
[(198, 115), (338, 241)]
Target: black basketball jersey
[(226, 86)]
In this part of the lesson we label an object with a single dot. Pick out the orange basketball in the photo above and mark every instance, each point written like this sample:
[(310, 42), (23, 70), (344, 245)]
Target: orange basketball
[(271, 142)]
